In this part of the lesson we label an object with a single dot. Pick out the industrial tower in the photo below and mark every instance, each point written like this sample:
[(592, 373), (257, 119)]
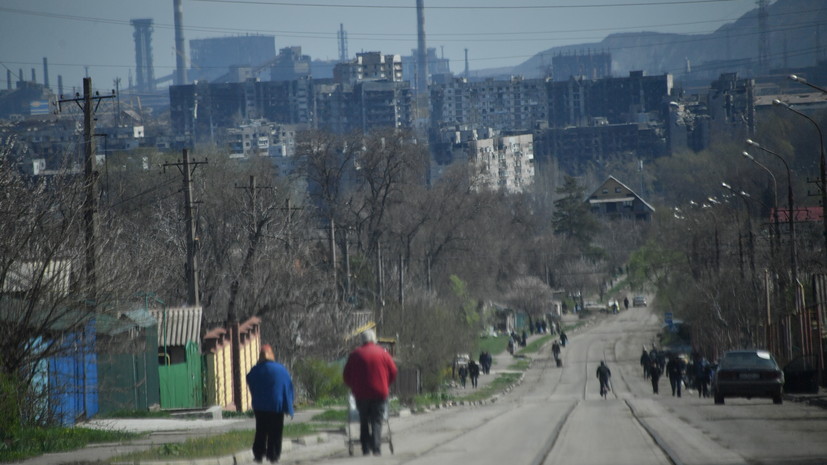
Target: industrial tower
[(342, 36), (143, 54), (763, 37)]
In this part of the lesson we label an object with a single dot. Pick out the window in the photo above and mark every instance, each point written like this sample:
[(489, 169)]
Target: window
[(605, 191), (617, 190)]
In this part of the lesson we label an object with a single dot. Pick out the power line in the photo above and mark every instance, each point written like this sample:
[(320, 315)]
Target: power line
[(472, 7)]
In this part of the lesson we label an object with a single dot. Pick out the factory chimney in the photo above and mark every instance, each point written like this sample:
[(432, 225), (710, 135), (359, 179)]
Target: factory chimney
[(143, 54), (45, 73), (8, 79), (466, 64), (422, 52), (59, 84), (180, 50)]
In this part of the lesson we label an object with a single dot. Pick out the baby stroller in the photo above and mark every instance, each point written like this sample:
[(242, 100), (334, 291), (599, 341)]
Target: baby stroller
[(353, 417)]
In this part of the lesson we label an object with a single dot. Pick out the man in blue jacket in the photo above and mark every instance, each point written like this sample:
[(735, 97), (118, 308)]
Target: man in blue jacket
[(272, 391)]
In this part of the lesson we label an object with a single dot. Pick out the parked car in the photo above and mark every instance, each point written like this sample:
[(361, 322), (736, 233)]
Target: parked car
[(639, 301), (747, 373)]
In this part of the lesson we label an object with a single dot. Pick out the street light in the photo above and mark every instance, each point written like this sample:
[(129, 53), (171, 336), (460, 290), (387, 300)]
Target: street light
[(746, 198), (822, 164), (790, 202), (801, 80)]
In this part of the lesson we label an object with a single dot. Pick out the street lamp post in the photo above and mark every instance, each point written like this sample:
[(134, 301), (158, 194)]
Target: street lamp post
[(824, 215), (751, 243), (806, 347), (822, 164), (801, 80), (790, 202), (790, 219)]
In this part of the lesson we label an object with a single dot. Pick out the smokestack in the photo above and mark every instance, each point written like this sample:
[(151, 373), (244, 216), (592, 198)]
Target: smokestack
[(422, 52), (45, 73), (8, 79), (143, 54), (342, 44), (34, 76), (466, 63), (180, 51), (20, 75), (59, 84)]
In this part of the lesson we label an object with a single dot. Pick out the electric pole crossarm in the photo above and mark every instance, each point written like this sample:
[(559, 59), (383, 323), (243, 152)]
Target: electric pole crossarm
[(186, 169), (90, 179)]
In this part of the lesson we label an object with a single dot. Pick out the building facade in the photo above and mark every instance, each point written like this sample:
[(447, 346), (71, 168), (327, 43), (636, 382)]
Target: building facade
[(504, 163)]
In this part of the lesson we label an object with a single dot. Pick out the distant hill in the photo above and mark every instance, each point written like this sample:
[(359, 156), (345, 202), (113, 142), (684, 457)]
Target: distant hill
[(793, 42)]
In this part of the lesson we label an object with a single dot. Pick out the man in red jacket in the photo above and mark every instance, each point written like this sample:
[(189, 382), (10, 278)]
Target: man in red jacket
[(369, 372)]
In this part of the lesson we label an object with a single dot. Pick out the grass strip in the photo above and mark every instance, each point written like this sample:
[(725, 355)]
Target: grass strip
[(31, 442), (216, 445)]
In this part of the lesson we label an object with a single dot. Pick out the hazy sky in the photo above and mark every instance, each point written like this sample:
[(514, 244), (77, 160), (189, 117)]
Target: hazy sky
[(75, 34)]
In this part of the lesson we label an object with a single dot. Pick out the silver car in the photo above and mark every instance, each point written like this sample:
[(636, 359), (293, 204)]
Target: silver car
[(748, 373)]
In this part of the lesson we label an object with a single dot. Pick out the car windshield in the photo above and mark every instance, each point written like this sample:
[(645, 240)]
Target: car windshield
[(748, 360)]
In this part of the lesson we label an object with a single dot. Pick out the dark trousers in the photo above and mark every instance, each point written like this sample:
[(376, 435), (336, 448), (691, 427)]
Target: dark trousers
[(371, 414), (655, 380), (474, 381), (267, 442), (675, 381)]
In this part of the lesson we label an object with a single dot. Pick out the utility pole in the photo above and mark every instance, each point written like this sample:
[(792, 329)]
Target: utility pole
[(401, 280), (333, 261), (256, 228), (90, 179), (186, 168)]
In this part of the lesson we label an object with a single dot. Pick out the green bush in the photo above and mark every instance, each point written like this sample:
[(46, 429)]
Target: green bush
[(319, 380), (9, 414)]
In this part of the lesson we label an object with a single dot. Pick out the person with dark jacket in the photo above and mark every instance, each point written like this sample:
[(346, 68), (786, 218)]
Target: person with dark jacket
[(654, 374), (473, 372), (368, 373), (674, 370), (645, 363), (271, 390), (604, 374)]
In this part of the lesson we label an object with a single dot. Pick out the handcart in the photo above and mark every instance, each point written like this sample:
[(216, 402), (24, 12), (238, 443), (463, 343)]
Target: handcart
[(353, 417)]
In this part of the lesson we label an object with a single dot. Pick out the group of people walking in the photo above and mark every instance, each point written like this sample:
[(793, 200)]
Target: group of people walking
[(680, 374)]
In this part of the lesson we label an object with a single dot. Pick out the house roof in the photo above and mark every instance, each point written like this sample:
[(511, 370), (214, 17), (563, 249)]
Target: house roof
[(611, 196), (800, 215), (177, 326), (113, 326)]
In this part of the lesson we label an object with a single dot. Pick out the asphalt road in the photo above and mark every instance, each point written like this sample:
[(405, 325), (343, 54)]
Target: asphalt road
[(556, 415)]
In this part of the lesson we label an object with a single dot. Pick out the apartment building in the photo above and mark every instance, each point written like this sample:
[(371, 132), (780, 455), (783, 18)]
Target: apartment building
[(506, 105), (369, 66), (504, 163)]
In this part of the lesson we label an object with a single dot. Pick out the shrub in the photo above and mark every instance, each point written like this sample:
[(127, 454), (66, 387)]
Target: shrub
[(9, 414), (319, 380)]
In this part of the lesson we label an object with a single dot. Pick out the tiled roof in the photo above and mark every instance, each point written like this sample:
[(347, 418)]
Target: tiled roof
[(177, 326)]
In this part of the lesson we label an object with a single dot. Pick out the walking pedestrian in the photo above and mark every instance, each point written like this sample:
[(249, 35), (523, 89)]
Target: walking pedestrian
[(463, 373), (271, 390), (368, 373), (645, 362), (473, 372), (674, 370), (654, 375), (555, 350), (604, 374)]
